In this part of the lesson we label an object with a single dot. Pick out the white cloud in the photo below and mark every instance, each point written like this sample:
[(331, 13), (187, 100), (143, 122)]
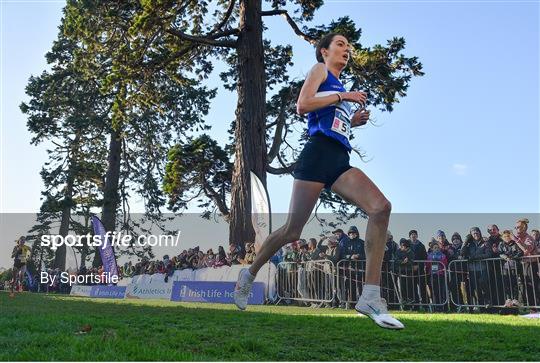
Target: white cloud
[(460, 169)]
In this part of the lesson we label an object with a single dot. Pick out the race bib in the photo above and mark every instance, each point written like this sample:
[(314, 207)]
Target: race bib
[(341, 123), (434, 268)]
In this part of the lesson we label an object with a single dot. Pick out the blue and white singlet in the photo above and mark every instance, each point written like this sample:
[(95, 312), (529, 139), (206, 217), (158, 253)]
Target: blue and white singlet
[(335, 120)]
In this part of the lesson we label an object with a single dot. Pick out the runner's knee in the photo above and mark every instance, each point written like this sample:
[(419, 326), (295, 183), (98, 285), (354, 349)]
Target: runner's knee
[(381, 208), (291, 234)]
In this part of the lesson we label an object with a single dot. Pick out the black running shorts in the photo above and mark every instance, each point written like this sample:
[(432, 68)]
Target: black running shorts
[(323, 160)]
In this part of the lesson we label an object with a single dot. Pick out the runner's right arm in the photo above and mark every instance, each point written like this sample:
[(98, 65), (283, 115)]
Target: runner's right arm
[(307, 102)]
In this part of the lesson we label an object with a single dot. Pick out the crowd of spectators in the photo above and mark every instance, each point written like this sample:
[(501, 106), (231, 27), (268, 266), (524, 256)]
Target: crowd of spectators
[(194, 259), (420, 268), (341, 246), (487, 271)]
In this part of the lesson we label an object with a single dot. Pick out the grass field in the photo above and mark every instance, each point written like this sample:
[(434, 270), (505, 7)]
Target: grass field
[(43, 327)]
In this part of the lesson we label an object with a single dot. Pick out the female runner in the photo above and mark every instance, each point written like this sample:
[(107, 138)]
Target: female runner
[(324, 163)]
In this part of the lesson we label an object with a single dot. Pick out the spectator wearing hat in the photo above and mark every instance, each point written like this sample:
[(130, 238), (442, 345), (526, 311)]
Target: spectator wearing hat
[(403, 267), (474, 250), (437, 269), (354, 256), (457, 243), (419, 268), (343, 240), (457, 278), (356, 248), (446, 247)]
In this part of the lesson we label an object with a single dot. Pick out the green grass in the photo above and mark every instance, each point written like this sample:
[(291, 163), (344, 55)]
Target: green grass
[(42, 327)]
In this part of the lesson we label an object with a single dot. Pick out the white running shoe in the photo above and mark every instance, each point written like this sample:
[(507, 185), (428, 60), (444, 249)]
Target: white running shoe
[(243, 288), (376, 310)]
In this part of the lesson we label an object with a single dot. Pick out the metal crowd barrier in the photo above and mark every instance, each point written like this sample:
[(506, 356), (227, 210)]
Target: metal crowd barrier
[(492, 282), (495, 282), (310, 281), (419, 283)]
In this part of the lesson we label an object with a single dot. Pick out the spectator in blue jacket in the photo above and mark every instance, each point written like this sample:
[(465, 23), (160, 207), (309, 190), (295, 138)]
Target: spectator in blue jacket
[(355, 248), (354, 255), (343, 240), (474, 250)]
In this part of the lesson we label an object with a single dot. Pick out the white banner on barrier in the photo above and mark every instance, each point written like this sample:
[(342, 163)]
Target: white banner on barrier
[(80, 290), (152, 290), (224, 273)]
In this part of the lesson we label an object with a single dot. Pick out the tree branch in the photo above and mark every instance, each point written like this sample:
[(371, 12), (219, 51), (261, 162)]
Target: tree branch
[(172, 57), (211, 193), (280, 171), (271, 124), (225, 33), (276, 143), (285, 169), (225, 17), (291, 22), (273, 12), (182, 52), (204, 40)]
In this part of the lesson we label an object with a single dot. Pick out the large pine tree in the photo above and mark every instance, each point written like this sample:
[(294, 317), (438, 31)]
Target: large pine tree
[(138, 42)]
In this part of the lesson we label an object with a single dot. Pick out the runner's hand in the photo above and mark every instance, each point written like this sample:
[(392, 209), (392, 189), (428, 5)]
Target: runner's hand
[(360, 118), (357, 97)]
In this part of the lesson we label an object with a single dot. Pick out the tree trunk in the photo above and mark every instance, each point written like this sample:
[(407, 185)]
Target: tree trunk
[(60, 254), (111, 198), (250, 149), (85, 250)]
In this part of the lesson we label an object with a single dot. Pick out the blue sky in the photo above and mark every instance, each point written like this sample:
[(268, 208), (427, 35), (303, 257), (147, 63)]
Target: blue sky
[(465, 139)]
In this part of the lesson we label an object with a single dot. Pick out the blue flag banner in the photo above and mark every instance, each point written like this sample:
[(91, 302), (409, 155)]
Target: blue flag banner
[(106, 251), (213, 292)]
